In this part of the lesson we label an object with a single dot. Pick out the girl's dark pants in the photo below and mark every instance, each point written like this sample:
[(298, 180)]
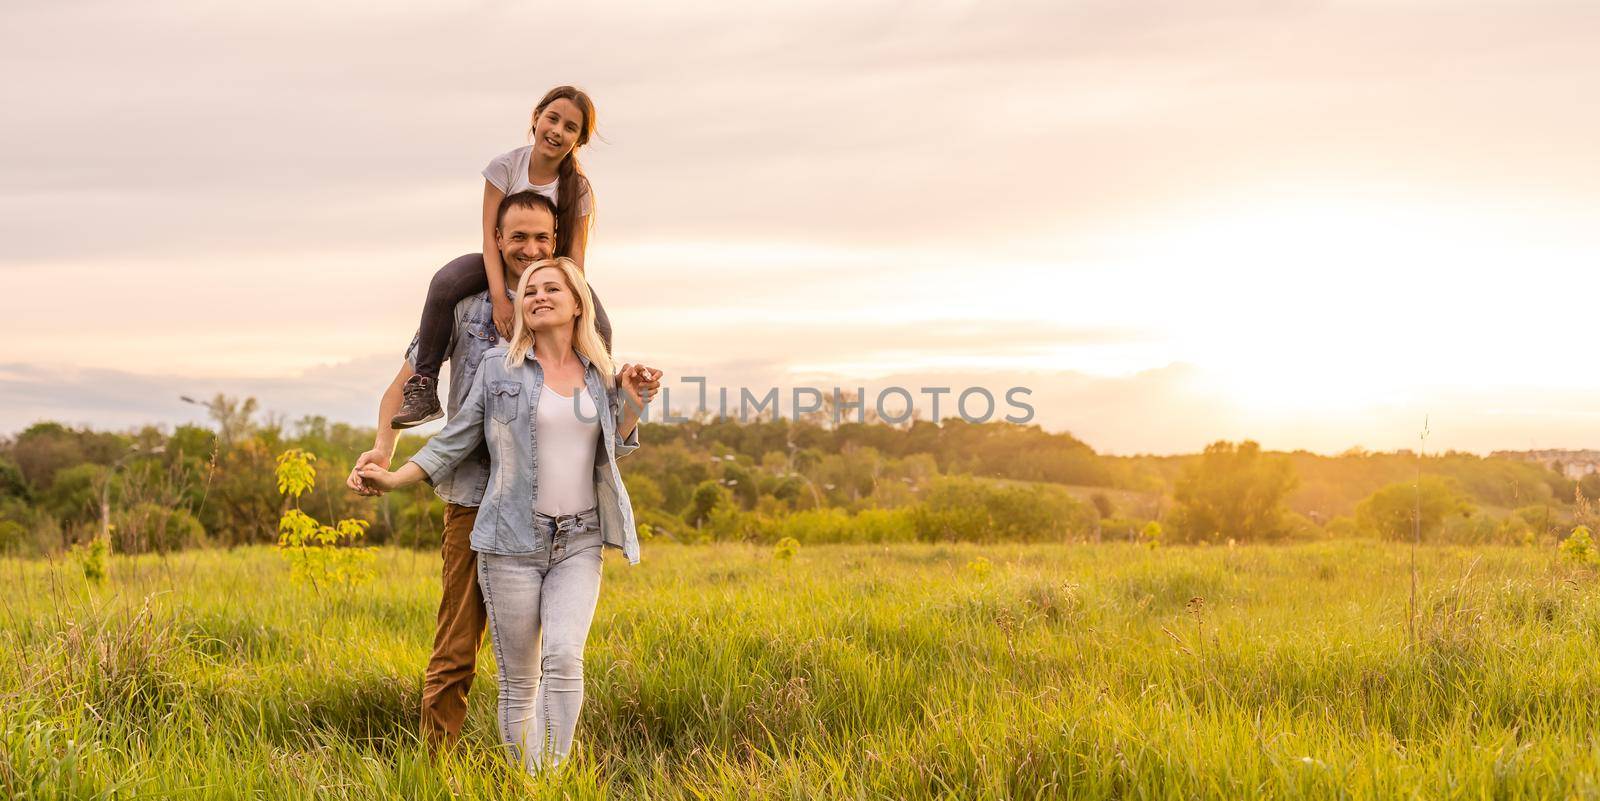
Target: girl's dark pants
[(462, 278)]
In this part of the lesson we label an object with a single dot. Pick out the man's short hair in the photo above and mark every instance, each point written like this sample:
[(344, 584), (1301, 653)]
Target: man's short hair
[(523, 200)]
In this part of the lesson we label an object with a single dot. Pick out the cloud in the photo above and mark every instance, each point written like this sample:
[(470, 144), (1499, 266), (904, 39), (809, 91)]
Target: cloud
[(119, 399), (230, 196), (189, 128)]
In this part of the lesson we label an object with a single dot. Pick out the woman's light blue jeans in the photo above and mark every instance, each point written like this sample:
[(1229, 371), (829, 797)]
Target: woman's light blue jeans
[(540, 607)]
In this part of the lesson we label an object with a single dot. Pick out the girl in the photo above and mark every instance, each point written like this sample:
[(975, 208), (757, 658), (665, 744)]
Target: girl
[(562, 122), (555, 426)]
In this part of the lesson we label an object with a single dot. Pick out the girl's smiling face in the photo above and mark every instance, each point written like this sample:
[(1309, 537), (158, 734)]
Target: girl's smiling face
[(557, 127), (548, 302)]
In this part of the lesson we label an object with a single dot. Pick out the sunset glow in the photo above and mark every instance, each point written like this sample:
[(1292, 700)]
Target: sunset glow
[(1327, 232)]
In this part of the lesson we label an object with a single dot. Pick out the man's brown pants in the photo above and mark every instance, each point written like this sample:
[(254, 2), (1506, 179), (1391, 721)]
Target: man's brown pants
[(457, 633)]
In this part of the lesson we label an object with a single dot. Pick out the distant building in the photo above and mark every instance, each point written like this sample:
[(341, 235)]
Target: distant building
[(1572, 464)]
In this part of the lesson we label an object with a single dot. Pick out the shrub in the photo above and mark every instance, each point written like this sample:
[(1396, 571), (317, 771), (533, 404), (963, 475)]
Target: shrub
[(1120, 529), (729, 523), (658, 523), (1578, 549), (1299, 527), (1150, 535), (971, 510), (12, 535), (1537, 518), (1343, 526), (816, 526), (321, 554), (91, 556), (1473, 529), (154, 527), (786, 549)]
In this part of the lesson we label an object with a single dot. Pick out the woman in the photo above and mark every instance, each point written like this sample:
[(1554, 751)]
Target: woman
[(563, 121), (556, 425)]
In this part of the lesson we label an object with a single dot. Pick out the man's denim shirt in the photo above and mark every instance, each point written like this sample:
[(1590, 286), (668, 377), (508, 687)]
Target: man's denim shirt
[(499, 410), (473, 335)]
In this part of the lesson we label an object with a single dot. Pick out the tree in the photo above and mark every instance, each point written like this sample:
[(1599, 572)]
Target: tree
[(1233, 491), (12, 482), (1103, 504), (1589, 485), (243, 501), (709, 496), (1390, 512), (644, 492), (234, 418), (74, 494), (45, 449), (742, 483)]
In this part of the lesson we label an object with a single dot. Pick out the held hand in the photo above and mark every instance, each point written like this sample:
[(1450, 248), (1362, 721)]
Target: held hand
[(640, 382), (650, 381), (504, 316), (354, 482), (377, 478)]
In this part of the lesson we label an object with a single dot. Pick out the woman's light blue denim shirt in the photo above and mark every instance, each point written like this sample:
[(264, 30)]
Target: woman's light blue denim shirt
[(499, 410)]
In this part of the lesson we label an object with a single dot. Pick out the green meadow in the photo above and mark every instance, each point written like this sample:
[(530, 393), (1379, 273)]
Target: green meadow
[(845, 671)]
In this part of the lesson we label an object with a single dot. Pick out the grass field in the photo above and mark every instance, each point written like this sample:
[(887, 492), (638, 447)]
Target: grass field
[(1092, 671)]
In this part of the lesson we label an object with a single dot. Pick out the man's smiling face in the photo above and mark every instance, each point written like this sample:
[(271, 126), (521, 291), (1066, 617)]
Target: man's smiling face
[(526, 235)]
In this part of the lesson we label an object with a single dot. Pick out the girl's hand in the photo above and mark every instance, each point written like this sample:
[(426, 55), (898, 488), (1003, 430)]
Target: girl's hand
[(640, 382), (377, 478), (504, 316)]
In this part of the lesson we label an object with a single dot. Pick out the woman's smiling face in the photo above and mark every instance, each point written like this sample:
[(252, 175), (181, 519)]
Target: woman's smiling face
[(557, 127), (548, 302)]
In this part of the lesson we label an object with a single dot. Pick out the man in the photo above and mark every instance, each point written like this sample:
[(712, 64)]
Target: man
[(525, 233)]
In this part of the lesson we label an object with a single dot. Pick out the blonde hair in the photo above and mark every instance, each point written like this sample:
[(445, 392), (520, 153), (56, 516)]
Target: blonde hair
[(585, 337)]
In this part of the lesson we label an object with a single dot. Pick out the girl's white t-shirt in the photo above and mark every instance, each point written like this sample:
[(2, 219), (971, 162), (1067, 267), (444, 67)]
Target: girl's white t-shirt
[(566, 446), (509, 173)]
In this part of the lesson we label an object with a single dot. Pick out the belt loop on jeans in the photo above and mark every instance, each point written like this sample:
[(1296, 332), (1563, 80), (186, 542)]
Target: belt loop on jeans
[(564, 526), (567, 525)]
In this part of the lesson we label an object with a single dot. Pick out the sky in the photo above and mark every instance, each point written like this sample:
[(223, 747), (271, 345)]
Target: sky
[(1319, 225)]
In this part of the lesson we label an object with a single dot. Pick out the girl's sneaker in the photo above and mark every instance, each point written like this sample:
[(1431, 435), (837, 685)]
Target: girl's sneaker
[(421, 403)]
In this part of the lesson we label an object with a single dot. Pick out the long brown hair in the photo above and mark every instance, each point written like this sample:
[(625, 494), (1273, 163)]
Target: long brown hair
[(573, 183)]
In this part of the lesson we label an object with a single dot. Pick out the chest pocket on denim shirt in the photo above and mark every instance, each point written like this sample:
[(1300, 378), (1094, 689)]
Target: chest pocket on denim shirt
[(483, 332), (504, 398), (482, 339)]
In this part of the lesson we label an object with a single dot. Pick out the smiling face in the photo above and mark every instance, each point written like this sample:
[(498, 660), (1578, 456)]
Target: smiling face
[(526, 235), (547, 301), (557, 128)]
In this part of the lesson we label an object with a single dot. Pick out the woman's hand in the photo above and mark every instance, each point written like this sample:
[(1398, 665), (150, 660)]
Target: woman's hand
[(504, 315), (640, 382), (373, 457)]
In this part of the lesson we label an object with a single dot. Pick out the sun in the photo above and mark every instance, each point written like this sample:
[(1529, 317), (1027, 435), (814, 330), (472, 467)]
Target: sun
[(1300, 308)]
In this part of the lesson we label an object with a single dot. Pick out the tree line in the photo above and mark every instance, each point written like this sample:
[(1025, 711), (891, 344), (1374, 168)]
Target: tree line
[(158, 489)]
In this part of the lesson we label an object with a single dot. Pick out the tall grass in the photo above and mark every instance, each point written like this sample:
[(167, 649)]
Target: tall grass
[(872, 671)]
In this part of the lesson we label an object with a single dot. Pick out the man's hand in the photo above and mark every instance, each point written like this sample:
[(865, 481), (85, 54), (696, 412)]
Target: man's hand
[(504, 315), (385, 481), (355, 483)]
